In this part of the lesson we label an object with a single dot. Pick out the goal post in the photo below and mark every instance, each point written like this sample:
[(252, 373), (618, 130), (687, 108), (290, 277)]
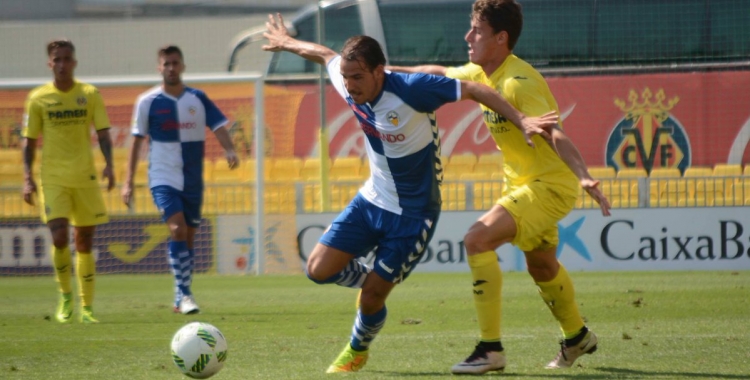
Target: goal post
[(233, 201)]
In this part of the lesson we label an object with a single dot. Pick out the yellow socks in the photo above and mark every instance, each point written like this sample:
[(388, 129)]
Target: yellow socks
[(559, 295), (61, 260), (86, 271), (488, 283)]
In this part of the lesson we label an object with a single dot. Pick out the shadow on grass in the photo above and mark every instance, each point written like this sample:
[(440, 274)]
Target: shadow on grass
[(611, 373), (633, 373), (395, 374)]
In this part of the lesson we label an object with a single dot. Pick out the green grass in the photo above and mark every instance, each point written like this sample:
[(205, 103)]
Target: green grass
[(661, 325)]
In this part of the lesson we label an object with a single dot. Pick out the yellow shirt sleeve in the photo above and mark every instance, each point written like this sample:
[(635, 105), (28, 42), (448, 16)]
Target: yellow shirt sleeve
[(527, 97), (32, 119), (465, 72), (101, 120)]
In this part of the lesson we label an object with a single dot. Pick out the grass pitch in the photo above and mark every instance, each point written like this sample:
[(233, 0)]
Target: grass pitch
[(659, 325)]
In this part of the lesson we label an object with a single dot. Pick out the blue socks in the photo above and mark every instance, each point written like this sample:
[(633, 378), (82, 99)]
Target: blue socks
[(181, 263)]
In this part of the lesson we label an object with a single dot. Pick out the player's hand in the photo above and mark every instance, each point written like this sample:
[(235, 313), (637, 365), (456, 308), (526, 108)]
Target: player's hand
[(109, 174), (531, 126), (232, 159), (592, 187), (29, 189), (127, 193), (276, 33)]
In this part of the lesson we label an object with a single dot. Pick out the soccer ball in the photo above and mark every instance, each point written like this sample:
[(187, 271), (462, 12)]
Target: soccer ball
[(199, 350)]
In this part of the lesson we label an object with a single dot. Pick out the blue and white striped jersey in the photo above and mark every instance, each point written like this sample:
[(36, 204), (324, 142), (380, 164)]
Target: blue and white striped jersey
[(178, 134), (402, 140)]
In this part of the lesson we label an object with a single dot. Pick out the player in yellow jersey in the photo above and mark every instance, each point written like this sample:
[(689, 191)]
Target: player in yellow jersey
[(63, 112), (542, 179)]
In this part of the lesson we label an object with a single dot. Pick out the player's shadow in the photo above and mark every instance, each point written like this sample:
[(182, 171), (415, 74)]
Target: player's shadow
[(610, 373), (627, 373), (399, 375)]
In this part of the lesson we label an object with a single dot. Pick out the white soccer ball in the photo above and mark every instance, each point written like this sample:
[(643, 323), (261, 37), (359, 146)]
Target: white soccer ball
[(199, 350)]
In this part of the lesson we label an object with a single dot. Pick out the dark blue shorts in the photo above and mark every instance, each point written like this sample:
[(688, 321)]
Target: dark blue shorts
[(399, 241), (170, 201)]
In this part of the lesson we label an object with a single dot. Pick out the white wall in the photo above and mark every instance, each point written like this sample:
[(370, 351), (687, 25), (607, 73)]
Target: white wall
[(36, 9), (122, 47)]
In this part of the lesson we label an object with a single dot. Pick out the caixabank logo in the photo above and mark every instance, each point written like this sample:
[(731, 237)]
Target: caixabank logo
[(648, 136)]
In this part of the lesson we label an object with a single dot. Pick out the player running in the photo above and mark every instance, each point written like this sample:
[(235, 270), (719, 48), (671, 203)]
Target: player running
[(397, 210), (542, 184)]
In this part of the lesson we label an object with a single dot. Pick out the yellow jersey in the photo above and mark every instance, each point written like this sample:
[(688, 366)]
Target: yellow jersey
[(525, 89), (64, 119)]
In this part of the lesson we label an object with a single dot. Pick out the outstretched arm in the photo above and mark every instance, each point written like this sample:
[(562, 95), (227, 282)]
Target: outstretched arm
[(427, 69), (572, 157), (489, 97), (279, 40)]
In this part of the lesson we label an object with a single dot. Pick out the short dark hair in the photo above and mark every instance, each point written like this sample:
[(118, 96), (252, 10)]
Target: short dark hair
[(61, 43), (501, 15), (365, 49), (169, 49)]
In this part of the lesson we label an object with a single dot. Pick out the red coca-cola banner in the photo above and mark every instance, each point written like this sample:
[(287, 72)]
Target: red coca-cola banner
[(652, 120), (644, 121)]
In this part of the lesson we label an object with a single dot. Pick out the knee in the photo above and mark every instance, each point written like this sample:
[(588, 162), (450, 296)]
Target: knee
[(84, 246), (476, 242), (315, 279), (314, 273), (543, 271), (178, 229), (178, 232), (84, 239), (60, 238), (372, 300)]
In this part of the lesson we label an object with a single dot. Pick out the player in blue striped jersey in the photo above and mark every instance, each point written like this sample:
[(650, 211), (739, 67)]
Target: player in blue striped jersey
[(175, 118), (396, 211)]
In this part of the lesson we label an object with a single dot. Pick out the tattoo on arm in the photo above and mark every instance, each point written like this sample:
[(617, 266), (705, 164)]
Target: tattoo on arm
[(105, 143), (29, 150)]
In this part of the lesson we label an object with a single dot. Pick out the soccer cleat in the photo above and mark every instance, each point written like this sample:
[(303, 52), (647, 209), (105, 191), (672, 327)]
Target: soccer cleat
[(349, 361), (480, 362), (568, 355), (188, 305), (65, 308), (87, 315)]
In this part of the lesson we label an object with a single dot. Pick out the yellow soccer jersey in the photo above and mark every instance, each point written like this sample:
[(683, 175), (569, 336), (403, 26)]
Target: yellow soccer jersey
[(527, 91), (64, 120)]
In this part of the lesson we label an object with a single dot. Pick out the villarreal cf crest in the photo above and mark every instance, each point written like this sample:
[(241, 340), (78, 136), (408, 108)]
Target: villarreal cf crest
[(648, 136)]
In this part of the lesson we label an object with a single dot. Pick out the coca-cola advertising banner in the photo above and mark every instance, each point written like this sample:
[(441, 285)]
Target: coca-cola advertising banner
[(647, 121), (644, 121)]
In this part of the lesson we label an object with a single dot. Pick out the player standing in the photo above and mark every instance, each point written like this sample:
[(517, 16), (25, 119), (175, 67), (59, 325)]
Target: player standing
[(541, 187), (398, 207), (174, 116), (63, 111)]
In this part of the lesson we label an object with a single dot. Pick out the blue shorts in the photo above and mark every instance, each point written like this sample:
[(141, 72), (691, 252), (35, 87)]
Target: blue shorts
[(399, 241), (170, 201)]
